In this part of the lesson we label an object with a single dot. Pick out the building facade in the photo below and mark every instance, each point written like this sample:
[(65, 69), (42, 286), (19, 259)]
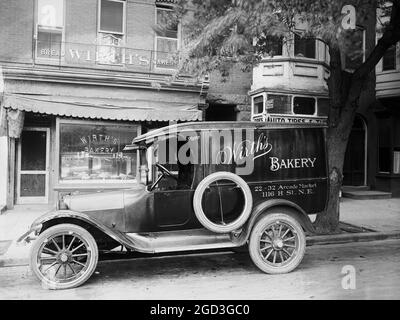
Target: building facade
[(387, 114), (289, 85), (81, 79)]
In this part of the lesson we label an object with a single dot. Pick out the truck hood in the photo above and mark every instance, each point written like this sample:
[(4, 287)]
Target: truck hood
[(100, 201)]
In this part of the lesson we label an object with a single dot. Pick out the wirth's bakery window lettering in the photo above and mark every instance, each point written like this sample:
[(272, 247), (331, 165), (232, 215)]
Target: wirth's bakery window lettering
[(94, 152)]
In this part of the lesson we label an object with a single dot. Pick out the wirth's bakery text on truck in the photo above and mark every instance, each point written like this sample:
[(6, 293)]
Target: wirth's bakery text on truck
[(203, 185)]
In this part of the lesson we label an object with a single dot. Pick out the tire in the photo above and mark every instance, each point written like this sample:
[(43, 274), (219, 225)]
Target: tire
[(69, 249), (264, 244), (198, 209)]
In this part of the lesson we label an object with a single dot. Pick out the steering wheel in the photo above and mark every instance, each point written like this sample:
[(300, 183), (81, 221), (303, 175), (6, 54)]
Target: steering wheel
[(165, 172)]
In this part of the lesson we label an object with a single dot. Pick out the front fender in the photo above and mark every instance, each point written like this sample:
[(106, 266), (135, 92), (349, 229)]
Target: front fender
[(38, 224)]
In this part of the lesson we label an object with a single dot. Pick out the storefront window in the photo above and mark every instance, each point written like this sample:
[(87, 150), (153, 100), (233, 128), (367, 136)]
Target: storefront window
[(258, 105), (94, 153), (396, 161), (384, 153), (304, 105), (278, 104)]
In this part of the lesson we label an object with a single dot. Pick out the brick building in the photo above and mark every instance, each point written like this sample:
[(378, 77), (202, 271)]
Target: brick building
[(80, 79)]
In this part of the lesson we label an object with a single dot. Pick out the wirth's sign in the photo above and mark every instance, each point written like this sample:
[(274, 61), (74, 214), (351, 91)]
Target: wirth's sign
[(99, 143), (122, 56), (118, 56)]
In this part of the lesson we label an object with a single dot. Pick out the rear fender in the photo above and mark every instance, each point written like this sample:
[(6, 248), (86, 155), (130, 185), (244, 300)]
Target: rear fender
[(291, 209)]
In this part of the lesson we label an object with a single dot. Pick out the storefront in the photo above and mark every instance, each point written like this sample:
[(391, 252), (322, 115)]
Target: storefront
[(63, 144)]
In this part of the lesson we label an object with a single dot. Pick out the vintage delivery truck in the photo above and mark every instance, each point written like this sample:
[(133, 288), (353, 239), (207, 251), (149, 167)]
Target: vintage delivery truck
[(202, 185)]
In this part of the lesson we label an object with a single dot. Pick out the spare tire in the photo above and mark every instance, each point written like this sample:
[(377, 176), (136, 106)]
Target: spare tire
[(198, 209)]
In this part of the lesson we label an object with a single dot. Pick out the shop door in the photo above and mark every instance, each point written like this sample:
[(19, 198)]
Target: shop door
[(355, 159), (33, 164)]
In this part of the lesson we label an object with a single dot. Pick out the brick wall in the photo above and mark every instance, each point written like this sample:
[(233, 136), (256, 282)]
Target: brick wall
[(17, 26), (232, 89), (236, 83), (140, 20), (81, 21), (16, 30)]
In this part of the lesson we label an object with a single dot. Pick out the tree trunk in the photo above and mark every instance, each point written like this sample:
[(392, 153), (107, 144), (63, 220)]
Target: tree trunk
[(337, 138)]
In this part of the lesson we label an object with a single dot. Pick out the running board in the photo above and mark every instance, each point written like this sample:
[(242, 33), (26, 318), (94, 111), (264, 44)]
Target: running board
[(183, 240)]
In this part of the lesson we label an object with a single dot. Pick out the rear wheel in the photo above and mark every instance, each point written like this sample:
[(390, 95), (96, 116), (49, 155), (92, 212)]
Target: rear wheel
[(277, 243), (64, 256)]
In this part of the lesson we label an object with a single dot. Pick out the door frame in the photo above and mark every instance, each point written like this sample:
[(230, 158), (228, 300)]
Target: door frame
[(33, 200), (365, 151)]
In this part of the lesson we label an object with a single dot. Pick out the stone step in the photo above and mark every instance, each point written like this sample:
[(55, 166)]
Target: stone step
[(365, 194), (355, 188)]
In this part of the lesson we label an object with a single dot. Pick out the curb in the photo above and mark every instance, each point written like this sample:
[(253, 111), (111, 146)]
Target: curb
[(14, 262), (311, 241), (3, 208), (352, 237)]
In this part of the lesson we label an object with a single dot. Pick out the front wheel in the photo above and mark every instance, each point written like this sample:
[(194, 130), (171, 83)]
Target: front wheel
[(64, 256), (277, 243)]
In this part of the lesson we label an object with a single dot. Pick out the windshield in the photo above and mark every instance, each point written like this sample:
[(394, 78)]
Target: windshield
[(179, 176)]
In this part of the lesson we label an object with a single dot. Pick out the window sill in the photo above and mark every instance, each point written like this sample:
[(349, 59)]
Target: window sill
[(94, 186)]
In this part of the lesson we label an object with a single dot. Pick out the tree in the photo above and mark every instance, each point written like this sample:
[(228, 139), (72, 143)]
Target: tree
[(221, 33)]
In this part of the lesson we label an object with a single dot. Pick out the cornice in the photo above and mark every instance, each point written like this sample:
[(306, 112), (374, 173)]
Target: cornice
[(112, 78)]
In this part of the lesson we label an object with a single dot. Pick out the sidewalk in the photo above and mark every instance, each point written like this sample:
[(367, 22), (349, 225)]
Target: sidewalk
[(13, 224), (382, 215)]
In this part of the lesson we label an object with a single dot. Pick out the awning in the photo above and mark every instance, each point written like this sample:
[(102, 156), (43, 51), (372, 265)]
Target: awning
[(103, 108)]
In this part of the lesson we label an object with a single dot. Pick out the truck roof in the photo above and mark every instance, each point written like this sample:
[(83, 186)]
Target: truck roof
[(214, 125)]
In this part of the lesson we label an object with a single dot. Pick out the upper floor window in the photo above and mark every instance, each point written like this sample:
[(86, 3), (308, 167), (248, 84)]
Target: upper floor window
[(304, 47), (389, 59), (50, 28), (167, 37), (112, 16), (111, 31), (355, 48), (270, 45)]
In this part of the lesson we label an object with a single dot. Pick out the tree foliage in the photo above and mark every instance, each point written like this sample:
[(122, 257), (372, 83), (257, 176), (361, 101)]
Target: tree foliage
[(219, 33)]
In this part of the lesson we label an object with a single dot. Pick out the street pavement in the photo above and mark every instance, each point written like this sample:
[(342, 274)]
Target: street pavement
[(381, 215), (323, 274)]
